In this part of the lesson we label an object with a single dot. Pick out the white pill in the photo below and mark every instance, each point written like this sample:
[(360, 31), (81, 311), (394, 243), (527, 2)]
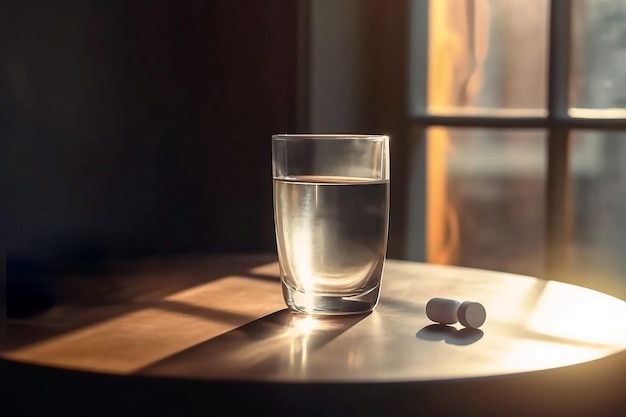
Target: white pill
[(471, 314), (442, 310)]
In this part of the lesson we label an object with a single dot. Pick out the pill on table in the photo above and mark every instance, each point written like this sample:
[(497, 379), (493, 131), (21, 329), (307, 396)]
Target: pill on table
[(471, 314), (442, 310)]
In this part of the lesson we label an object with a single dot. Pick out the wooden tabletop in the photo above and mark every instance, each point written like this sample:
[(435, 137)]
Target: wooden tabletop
[(222, 320)]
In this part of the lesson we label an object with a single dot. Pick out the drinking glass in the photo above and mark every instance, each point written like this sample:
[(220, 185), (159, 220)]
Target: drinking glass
[(331, 212)]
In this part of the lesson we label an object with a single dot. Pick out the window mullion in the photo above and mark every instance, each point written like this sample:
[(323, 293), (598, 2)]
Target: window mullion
[(416, 247), (558, 181)]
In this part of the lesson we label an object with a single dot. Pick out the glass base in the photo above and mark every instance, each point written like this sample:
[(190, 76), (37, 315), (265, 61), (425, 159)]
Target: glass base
[(328, 304)]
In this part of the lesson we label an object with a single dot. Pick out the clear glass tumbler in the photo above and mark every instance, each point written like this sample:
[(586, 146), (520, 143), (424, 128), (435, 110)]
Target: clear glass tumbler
[(331, 211)]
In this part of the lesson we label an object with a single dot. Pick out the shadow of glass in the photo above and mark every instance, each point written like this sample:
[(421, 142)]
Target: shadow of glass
[(449, 334), (281, 342)]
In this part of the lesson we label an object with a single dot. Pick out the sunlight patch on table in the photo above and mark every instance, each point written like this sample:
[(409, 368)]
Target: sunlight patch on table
[(579, 314), (235, 294), (123, 344), (271, 269), (531, 355)]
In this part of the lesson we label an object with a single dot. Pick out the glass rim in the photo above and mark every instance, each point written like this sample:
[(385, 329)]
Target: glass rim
[(327, 136)]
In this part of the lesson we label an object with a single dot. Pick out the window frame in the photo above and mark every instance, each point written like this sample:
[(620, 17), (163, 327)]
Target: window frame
[(558, 122)]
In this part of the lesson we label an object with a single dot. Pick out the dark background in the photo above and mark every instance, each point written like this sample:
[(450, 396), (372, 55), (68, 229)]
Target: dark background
[(138, 128)]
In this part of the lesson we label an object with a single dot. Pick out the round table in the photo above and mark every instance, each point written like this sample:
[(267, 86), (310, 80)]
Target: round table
[(211, 336)]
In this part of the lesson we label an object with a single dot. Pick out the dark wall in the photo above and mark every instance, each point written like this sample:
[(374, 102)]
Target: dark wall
[(135, 128)]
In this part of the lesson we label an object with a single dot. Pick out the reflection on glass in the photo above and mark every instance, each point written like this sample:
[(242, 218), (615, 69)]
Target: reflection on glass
[(487, 54), (492, 215), (598, 169), (598, 78)]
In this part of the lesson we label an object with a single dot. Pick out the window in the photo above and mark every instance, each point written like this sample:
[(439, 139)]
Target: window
[(508, 125), (518, 133)]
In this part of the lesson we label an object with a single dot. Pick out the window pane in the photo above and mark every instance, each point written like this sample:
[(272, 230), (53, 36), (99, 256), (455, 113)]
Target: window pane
[(487, 55), (599, 238), (494, 209), (598, 77)]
